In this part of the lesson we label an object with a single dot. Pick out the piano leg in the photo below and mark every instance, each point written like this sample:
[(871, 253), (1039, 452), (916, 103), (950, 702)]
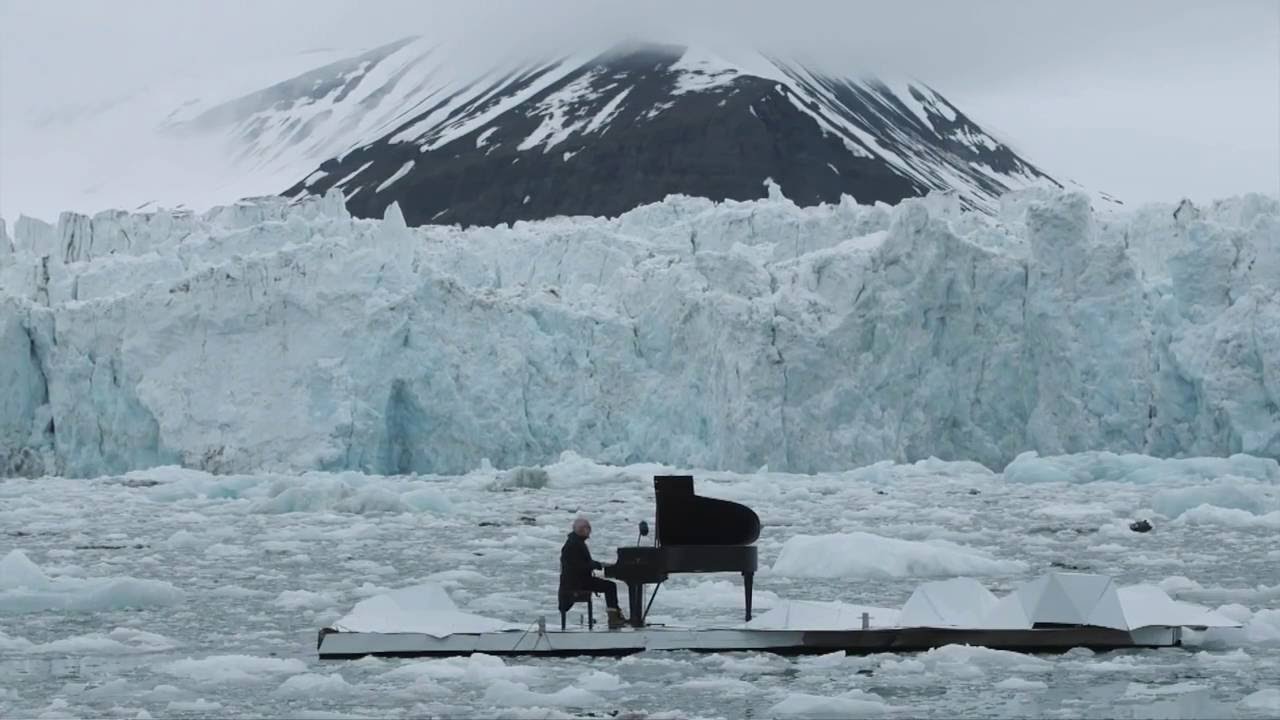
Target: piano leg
[(635, 598), (746, 585)]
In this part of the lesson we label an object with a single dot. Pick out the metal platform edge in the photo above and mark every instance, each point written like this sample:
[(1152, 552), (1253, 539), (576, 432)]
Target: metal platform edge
[(335, 645)]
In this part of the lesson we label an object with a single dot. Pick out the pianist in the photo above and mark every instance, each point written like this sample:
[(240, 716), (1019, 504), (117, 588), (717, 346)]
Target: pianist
[(575, 574)]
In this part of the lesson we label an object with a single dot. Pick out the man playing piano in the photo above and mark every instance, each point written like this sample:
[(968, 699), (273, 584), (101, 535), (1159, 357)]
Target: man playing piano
[(575, 574)]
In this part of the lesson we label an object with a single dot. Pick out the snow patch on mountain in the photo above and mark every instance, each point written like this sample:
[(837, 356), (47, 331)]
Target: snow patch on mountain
[(269, 335), (700, 70)]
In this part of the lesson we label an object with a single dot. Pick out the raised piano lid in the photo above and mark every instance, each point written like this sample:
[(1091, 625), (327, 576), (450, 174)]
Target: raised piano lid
[(683, 518)]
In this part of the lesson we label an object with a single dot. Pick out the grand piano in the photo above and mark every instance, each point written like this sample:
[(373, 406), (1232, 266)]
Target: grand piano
[(694, 534)]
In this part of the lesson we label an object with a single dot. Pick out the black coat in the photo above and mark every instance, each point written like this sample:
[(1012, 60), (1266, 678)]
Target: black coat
[(575, 568)]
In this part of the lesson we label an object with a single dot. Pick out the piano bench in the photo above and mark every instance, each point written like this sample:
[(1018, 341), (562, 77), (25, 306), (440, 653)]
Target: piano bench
[(577, 597)]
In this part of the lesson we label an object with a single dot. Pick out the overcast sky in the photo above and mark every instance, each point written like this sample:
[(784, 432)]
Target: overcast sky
[(1146, 99)]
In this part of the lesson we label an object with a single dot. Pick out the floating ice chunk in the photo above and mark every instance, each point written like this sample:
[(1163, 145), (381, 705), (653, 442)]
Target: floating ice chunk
[(752, 664), (193, 706), (865, 555), (1229, 662), (853, 704), (1030, 467), (142, 640), (312, 685), (17, 571), (1077, 512), (224, 551), (347, 494), (304, 599), (477, 668), (13, 643), (109, 690), (1236, 611), (372, 500), (1178, 583), (1267, 701), (728, 685), (957, 657), (163, 692), (838, 661), (185, 540), (118, 642), (508, 693), (25, 588), (233, 669), (236, 591), (1135, 689), (457, 577), (1016, 683), (524, 477), (599, 681), (1263, 628), (546, 713), (427, 499), (1255, 498), (58, 710), (1229, 517), (309, 497), (282, 546)]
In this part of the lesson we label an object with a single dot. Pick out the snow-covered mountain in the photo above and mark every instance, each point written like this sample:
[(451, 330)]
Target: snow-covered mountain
[(600, 133), (733, 335), (495, 139)]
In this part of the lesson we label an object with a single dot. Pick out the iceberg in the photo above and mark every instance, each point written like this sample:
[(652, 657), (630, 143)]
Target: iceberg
[(26, 588), (275, 335)]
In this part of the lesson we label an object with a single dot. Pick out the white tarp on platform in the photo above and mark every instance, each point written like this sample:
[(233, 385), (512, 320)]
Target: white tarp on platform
[(814, 615), (958, 602), (425, 608), (1085, 599), (1146, 605), (1055, 598)]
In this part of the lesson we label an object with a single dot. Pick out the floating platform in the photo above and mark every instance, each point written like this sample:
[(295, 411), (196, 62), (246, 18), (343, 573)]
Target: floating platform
[(1052, 613), (336, 645)]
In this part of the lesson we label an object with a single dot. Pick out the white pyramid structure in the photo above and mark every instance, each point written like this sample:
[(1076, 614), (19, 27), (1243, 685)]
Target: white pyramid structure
[(957, 603), (1060, 599)]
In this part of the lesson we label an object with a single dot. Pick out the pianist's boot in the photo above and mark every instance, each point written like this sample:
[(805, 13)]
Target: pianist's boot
[(616, 621)]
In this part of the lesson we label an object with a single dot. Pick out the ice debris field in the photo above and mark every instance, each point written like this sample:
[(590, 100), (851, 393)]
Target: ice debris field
[(220, 432), (174, 592)]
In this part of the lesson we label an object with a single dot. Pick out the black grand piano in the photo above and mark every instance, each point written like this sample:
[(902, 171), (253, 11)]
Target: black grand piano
[(694, 534)]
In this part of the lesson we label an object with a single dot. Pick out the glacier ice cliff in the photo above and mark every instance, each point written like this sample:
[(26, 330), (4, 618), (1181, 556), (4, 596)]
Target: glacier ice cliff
[(274, 336)]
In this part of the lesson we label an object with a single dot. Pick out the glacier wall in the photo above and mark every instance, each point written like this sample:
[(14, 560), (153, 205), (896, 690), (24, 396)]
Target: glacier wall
[(270, 336)]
